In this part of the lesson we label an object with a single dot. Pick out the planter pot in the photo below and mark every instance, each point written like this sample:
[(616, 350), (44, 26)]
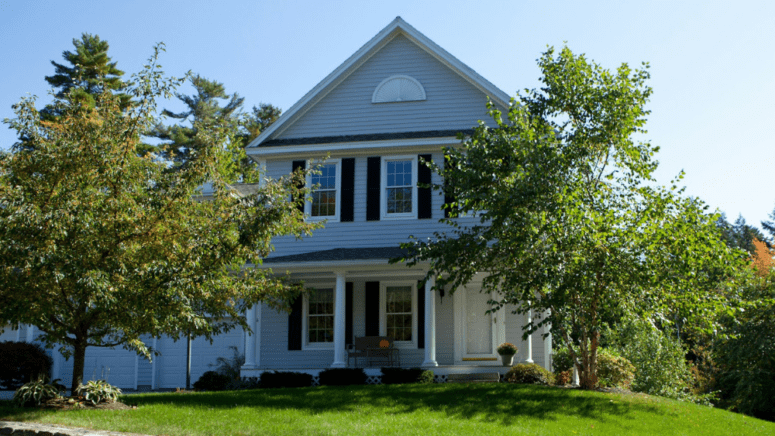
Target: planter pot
[(507, 360)]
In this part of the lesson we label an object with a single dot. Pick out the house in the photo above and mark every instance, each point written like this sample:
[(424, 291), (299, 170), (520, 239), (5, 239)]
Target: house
[(399, 99)]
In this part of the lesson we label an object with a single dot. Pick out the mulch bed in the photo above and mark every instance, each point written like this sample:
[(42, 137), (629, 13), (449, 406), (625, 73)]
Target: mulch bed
[(79, 403)]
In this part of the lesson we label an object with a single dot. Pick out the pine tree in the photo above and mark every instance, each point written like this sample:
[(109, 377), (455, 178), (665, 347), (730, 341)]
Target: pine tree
[(262, 117), (90, 71), (180, 143), (769, 226)]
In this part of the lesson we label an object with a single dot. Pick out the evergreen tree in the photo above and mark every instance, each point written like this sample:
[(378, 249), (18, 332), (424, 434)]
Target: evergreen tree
[(261, 118), (90, 71), (740, 234), (769, 226), (180, 144)]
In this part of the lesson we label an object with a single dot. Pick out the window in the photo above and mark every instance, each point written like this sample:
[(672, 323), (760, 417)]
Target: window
[(399, 183), (320, 317), (398, 88), (398, 312), (326, 198)]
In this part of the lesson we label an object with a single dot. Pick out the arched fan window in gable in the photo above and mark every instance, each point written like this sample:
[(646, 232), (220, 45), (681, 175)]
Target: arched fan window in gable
[(398, 88)]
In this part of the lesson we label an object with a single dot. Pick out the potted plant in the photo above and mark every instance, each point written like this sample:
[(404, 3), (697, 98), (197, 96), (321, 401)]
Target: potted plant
[(507, 352)]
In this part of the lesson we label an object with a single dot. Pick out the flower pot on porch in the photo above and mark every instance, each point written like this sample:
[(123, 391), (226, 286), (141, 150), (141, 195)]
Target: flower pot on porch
[(507, 352), (507, 360)]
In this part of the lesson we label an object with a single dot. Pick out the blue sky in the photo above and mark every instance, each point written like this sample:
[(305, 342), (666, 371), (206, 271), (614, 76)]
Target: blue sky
[(712, 62)]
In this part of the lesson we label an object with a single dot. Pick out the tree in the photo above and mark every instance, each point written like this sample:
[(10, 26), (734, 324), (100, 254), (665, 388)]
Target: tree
[(769, 226), (740, 234), (180, 144), (568, 225), (89, 74), (262, 117), (100, 245)]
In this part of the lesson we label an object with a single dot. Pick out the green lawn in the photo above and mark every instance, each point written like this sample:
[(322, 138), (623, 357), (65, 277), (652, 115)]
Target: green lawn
[(480, 410)]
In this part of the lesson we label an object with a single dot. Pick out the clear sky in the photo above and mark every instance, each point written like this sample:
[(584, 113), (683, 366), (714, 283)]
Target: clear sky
[(712, 62)]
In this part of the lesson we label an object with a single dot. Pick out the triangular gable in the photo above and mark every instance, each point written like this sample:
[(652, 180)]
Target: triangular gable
[(398, 36)]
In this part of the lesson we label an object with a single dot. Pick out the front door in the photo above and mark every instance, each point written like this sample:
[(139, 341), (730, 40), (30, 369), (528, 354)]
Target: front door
[(478, 332)]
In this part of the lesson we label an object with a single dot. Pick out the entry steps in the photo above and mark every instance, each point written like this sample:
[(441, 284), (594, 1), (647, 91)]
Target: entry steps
[(479, 377)]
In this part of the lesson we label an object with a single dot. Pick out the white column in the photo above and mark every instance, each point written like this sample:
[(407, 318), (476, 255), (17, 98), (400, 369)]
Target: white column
[(430, 324), (250, 343), (56, 356), (529, 338), (339, 321), (548, 347)]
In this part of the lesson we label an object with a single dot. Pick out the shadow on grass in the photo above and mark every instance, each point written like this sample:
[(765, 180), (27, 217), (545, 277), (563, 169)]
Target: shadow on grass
[(502, 403)]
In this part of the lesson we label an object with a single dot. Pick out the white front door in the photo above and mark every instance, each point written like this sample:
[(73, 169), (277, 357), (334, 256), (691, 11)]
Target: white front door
[(478, 333)]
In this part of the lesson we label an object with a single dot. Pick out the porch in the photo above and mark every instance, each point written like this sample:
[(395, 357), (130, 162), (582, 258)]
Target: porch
[(358, 293)]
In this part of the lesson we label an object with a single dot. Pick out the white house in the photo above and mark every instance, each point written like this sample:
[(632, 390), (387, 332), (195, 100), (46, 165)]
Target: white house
[(398, 99)]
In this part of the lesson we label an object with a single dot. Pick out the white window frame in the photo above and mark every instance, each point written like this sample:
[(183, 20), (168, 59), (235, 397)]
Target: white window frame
[(308, 204), (305, 343), (383, 188), (383, 311)]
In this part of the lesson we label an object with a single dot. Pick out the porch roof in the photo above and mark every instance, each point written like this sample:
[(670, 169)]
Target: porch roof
[(341, 254)]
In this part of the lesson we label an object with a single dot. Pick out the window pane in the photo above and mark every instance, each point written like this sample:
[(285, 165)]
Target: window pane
[(320, 323)]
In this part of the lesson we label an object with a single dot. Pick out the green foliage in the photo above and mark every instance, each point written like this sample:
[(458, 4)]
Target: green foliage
[(100, 245), (614, 371), (747, 356), (392, 376), (659, 359), (22, 362), (213, 381), (740, 234), (230, 368), (342, 377), (285, 379), (561, 360), (529, 373), (568, 222), (507, 349), (36, 392), (98, 391)]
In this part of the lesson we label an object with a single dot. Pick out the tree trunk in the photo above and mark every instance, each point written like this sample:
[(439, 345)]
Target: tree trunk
[(79, 358)]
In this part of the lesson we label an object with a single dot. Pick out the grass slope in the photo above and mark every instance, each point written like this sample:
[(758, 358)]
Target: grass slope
[(476, 409)]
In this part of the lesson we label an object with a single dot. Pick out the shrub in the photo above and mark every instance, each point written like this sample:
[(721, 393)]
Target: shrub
[(36, 392), (98, 391), (614, 370), (342, 377), (563, 378), (529, 373), (283, 379), (392, 376), (22, 362), (659, 360), (212, 381), (230, 368), (561, 360)]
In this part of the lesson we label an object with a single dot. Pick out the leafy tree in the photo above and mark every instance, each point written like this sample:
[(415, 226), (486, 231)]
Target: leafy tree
[(180, 142), (568, 224), (100, 245)]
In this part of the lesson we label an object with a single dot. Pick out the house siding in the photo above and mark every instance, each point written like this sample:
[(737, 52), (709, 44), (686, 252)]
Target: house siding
[(451, 101), (361, 233)]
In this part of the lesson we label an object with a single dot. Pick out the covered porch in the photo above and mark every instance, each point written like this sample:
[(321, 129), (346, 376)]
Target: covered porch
[(358, 293)]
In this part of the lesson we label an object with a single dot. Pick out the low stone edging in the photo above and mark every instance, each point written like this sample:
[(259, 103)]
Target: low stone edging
[(35, 429)]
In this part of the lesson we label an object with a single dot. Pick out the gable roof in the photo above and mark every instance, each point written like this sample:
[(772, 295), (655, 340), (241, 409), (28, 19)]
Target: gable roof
[(395, 28)]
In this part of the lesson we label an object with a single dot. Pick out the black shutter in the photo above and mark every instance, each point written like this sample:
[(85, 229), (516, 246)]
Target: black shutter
[(348, 190), (420, 316), (373, 180), (448, 198), (294, 324), (348, 314), (424, 202), (372, 308), (297, 164)]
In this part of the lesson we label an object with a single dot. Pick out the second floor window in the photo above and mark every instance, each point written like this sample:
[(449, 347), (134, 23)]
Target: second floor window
[(400, 187), (325, 197)]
